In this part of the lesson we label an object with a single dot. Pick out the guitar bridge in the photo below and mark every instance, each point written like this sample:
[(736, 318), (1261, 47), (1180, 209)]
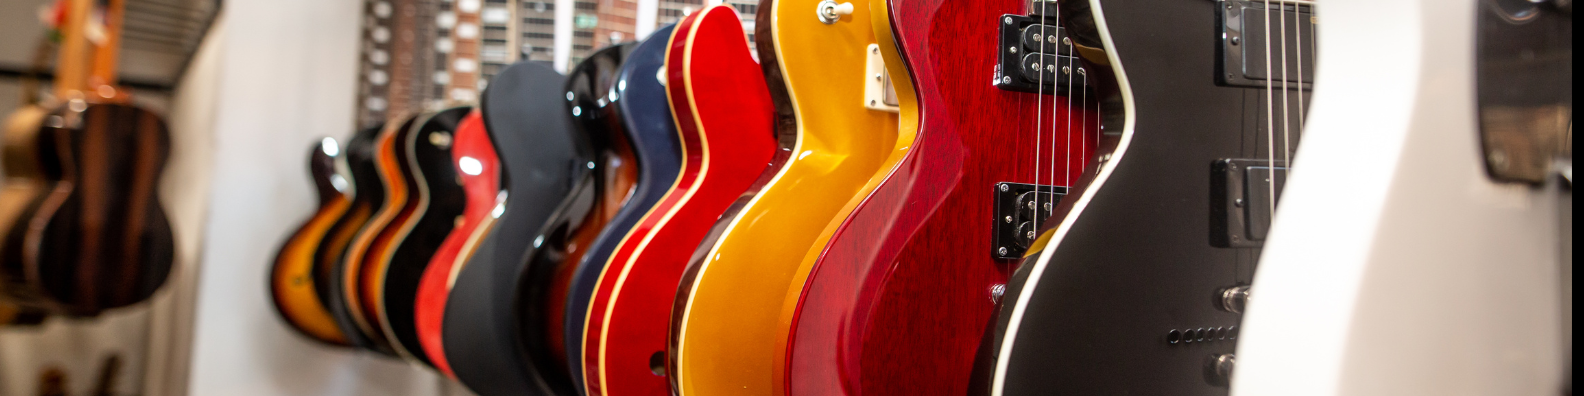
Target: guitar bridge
[(1020, 210)]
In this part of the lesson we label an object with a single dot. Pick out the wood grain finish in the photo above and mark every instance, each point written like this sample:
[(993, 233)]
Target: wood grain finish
[(357, 295), (837, 148), (294, 282), (25, 183), (480, 178), (725, 118), (906, 280), (100, 238)]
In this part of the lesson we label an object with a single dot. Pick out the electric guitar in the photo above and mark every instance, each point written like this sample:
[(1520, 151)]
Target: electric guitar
[(1454, 146), (525, 115), (591, 100), (357, 294), (295, 279), (479, 176), (1139, 287), (646, 116), (435, 201), (823, 69), (911, 277), (367, 196), (726, 125)]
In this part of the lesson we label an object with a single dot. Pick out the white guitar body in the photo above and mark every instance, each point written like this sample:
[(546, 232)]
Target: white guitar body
[(1396, 265)]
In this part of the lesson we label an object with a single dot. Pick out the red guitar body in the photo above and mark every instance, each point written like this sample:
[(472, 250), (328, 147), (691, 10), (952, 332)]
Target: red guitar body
[(479, 169), (725, 116), (900, 300)]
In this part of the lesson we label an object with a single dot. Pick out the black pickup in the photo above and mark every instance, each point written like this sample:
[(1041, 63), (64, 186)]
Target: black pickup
[(1030, 46)]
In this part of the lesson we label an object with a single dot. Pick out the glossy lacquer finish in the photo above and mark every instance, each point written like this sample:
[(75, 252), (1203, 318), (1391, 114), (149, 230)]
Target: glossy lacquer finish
[(647, 118), (440, 200), (900, 301), (724, 116), (356, 290), (367, 195), (592, 97), (732, 344), (294, 283), (541, 165), (1134, 260), (479, 173)]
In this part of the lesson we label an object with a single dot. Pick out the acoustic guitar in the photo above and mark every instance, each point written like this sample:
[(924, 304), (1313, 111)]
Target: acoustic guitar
[(479, 173), (557, 273), (99, 238), (525, 114), (1454, 145), (1139, 288), (844, 146), (295, 278), (435, 200), (725, 118), (367, 196)]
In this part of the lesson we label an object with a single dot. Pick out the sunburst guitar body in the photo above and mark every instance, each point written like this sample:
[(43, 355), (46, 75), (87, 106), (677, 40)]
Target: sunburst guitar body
[(725, 118), (732, 328), (295, 281)]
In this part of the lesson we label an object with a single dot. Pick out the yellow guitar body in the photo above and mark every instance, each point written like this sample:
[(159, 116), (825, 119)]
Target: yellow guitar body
[(732, 333)]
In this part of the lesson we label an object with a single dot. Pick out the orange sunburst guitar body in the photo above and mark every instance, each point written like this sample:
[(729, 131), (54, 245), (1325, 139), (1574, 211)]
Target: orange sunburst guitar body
[(732, 323), (725, 118), (295, 283), (479, 170)]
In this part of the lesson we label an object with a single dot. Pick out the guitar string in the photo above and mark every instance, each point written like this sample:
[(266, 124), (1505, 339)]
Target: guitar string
[(1286, 111), (1039, 117), (1083, 119), (1270, 119), (1298, 37), (1066, 162)]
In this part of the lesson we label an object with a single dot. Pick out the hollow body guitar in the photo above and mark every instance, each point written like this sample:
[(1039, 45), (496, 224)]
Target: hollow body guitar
[(593, 91), (367, 196), (646, 116), (725, 126), (479, 169), (295, 281), (99, 238), (910, 277), (839, 151), (356, 292), (1161, 241), (525, 115), (436, 200)]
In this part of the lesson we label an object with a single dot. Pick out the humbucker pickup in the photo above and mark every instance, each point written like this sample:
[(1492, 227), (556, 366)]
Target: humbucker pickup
[(1020, 210), (1035, 55)]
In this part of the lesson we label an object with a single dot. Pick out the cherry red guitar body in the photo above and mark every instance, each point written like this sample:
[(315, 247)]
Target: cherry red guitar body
[(901, 299), (725, 117), (479, 170)]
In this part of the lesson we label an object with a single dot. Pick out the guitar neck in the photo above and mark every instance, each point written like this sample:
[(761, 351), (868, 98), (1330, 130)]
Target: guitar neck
[(71, 71), (107, 52)]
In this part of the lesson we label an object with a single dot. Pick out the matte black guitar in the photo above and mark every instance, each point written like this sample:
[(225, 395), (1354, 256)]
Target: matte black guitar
[(1139, 288), (542, 164)]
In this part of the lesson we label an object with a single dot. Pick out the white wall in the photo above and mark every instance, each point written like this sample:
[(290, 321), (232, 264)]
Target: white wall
[(286, 73)]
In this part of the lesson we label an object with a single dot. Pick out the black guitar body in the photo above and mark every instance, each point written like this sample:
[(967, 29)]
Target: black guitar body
[(1129, 300), (552, 281), (525, 115), (440, 200), (367, 197), (101, 236)]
